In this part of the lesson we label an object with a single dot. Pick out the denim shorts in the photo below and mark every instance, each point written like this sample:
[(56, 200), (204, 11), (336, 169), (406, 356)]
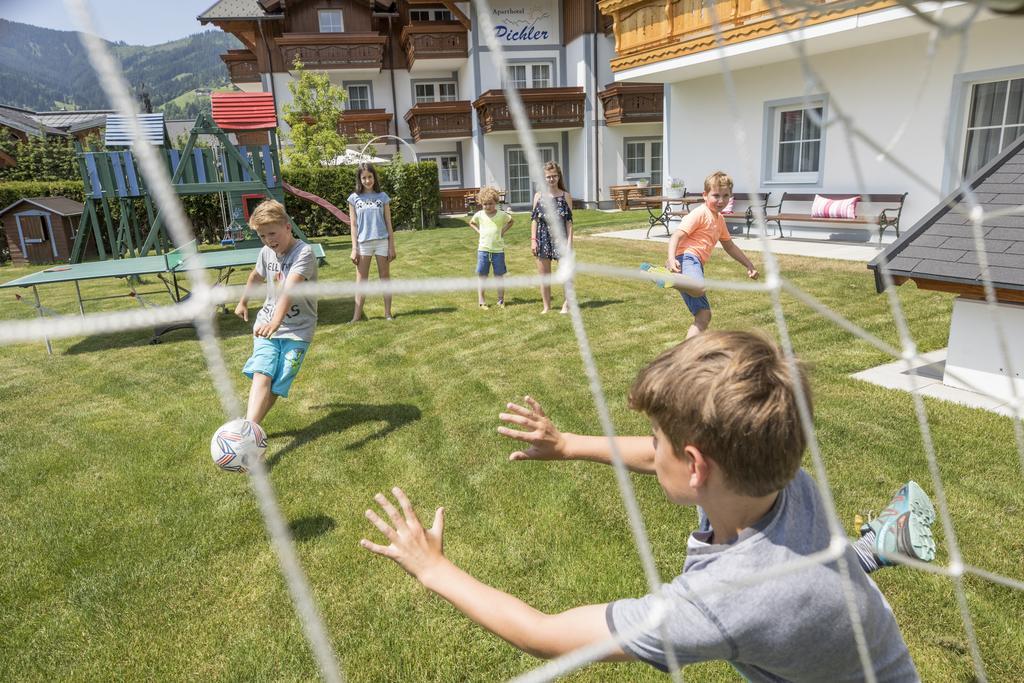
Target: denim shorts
[(691, 267), (374, 247), (278, 359), (484, 260)]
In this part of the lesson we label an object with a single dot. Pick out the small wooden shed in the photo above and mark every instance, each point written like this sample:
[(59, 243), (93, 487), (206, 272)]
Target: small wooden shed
[(40, 229)]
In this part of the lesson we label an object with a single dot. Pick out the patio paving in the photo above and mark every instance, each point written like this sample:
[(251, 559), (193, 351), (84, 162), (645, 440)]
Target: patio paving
[(832, 249), (929, 383)]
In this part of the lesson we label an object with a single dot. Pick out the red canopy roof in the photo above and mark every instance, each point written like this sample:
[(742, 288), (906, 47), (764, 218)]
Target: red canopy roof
[(244, 110)]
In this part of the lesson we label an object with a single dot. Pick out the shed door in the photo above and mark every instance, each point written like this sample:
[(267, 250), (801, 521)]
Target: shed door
[(36, 238)]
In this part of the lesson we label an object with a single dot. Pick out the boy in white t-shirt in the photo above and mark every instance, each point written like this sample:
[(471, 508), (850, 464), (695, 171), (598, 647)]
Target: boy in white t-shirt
[(491, 224)]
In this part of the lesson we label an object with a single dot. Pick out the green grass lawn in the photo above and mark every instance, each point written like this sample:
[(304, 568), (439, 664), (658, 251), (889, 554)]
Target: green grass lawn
[(128, 555)]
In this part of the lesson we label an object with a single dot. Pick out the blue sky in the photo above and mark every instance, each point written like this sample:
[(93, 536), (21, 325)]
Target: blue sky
[(137, 22)]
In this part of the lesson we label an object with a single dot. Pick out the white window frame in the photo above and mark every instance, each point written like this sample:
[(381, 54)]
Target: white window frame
[(773, 111), (652, 170), (44, 220), (369, 95), (1001, 127), (530, 75), (437, 158), (435, 90), (543, 149), (331, 13), (959, 107)]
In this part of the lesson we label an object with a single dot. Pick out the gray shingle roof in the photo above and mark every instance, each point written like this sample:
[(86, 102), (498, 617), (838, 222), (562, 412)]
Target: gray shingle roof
[(21, 119), (58, 205), (235, 9), (940, 246)]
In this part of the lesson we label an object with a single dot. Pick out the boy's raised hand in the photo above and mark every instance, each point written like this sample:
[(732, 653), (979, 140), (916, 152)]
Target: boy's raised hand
[(546, 442), (414, 548)]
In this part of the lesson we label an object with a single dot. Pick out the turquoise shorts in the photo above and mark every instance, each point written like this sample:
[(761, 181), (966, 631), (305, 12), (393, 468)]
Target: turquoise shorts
[(278, 359)]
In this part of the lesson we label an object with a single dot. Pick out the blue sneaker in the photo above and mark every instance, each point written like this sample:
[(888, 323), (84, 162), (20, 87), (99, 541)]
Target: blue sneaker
[(904, 528), (650, 268)]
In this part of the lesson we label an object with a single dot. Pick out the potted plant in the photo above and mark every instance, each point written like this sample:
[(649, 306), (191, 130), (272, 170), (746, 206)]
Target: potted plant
[(674, 187), (643, 182)]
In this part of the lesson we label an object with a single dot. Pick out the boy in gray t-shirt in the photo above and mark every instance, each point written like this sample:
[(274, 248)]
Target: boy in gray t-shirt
[(759, 588), (284, 325)]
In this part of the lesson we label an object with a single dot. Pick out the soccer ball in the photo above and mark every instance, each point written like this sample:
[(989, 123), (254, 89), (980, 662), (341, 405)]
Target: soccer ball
[(237, 444)]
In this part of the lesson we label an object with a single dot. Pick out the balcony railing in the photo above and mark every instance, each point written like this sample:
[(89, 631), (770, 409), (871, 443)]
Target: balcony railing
[(333, 50), (435, 40), (436, 120), (649, 31), (633, 103), (373, 121), (545, 108), (242, 66)]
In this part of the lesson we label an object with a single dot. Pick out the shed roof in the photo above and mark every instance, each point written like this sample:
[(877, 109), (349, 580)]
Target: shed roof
[(59, 205), (119, 133), (941, 247), (244, 110)]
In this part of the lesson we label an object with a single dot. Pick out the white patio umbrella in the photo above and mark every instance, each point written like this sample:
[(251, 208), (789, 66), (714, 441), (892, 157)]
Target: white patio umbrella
[(351, 157)]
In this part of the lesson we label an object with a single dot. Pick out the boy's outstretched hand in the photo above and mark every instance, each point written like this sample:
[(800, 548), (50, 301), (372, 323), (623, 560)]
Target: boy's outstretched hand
[(546, 442), (414, 548), (752, 273)]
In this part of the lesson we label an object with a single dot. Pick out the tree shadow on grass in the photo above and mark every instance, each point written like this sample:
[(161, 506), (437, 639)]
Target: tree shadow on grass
[(227, 327), (311, 526), (343, 416)]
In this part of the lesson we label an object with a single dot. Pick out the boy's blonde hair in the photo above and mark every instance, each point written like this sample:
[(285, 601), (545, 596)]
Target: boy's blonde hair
[(719, 180), (269, 212), (487, 193), (733, 396)]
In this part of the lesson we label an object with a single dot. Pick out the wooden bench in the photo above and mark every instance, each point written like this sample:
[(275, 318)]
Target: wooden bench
[(747, 216), (626, 196), (887, 217)]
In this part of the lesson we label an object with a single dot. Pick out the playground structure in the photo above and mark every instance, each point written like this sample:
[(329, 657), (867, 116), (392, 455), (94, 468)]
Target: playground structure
[(243, 174)]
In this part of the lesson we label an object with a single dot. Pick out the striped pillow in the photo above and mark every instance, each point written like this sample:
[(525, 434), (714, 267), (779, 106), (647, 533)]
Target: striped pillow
[(834, 208)]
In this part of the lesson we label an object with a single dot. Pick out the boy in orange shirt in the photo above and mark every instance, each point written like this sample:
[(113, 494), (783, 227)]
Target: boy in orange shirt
[(691, 245)]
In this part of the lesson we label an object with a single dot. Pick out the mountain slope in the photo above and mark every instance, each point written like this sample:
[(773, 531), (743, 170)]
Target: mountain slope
[(41, 67)]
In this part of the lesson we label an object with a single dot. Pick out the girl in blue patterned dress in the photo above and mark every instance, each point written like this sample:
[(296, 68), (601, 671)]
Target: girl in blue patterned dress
[(542, 243)]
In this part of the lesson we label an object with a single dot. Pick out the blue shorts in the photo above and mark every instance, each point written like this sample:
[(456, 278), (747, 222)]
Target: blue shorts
[(278, 359), (691, 267), (484, 259)]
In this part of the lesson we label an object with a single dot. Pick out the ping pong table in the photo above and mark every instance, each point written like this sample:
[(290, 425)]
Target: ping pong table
[(172, 263)]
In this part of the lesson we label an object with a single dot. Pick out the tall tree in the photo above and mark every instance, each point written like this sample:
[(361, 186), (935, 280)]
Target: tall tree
[(313, 115)]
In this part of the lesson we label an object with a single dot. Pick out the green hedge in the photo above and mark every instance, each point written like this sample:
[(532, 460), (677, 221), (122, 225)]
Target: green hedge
[(413, 188)]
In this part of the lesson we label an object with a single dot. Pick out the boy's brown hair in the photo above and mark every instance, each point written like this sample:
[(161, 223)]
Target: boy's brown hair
[(269, 212), (487, 193), (733, 396), (718, 180)]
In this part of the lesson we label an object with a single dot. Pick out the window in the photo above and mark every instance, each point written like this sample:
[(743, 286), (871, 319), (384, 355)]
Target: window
[(520, 76), (330, 21), (517, 172), (643, 160), (359, 97), (794, 141), (430, 15), (447, 168), (437, 91), (996, 119)]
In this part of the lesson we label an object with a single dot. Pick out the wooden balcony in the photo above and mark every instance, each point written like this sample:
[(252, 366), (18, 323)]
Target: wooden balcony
[(633, 103), (326, 51), (545, 108), (440, 45), (242, 66), (440, 120), (373, 121), (651, 31)]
